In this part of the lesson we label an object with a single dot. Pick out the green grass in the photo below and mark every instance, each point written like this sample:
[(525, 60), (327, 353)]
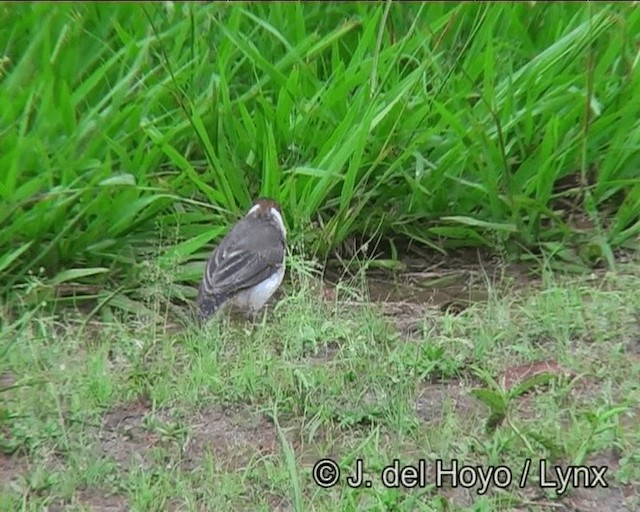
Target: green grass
[(513, 127), (128, 415), (133, 135)]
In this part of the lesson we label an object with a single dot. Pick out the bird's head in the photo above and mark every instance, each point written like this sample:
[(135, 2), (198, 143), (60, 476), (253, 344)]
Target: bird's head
[(265, 207)]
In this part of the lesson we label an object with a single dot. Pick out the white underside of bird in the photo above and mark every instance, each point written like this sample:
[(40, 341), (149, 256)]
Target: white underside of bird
[(248, 265), (255, 298)]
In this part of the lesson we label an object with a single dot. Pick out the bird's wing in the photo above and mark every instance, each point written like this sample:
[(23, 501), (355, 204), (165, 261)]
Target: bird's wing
[(241, 262)]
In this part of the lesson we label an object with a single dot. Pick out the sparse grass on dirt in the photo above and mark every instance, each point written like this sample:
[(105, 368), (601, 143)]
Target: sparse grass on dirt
[(126, 416)]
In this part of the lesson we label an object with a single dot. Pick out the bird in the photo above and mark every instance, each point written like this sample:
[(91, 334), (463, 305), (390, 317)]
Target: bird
[(248, 265)]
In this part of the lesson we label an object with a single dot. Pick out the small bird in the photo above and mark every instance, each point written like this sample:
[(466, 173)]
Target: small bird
[(247, 267)]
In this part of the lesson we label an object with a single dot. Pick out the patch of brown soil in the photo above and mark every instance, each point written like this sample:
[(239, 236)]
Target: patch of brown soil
[(7, 380), (596, 498), (232, 437), (430, 285), (11, 468), (516, 375), (407, 317), (428, 277), (123, 435), (98, 502), (431, 402)]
